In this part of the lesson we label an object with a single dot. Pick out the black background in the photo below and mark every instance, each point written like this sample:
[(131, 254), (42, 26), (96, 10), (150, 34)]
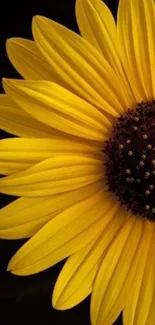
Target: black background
[(26, 300)]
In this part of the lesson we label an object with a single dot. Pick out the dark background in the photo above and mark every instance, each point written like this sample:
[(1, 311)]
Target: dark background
[(26, 300)]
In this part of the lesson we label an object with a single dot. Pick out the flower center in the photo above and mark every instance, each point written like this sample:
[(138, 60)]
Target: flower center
[(130, 164)]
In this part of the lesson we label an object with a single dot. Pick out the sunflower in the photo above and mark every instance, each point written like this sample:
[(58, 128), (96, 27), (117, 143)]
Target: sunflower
[(83, 158)]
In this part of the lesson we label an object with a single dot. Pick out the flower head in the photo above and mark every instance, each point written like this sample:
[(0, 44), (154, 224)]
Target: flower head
[(84, 159)]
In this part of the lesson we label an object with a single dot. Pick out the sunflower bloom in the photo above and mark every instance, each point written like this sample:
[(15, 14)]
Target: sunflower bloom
[(83, 159)]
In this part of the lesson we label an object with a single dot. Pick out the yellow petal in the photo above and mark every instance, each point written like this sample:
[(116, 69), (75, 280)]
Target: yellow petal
[(64, 235), (58, 108), (97, 25), (74, 282), (17, 154), (54, 175), (28, 60), (136, 35), (80, 65), (25, 216), (26, 230), (140, 304), (150, 319), (16, 121), (77, 276), (114, 279), (9, 167)]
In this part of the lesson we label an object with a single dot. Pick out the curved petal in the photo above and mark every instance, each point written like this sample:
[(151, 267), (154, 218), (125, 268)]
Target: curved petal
[(16, 121), (28, 229), (150, 318), (77, 276), (140, 305), (97, 25), (25, 216), (55, 175), (74, 283), (136, 35), (28, 60), (59, 108), (7, 167), (64, 235), (17, 154), (80, 65), (114, 279)]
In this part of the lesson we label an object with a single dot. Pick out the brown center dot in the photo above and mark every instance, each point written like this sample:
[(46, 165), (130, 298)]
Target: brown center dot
[(130, 164)]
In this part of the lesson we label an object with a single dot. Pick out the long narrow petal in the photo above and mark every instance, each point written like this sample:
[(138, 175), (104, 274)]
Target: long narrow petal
[(74, 282), (26, 230), (139, 307), (18, 122), (80, 65), (28, 60), (114, 279), (77, 276), (15, 120), (150, 318), (59, 108), (97, 25), (64, 235), (17, 154), (136, 34), (9, 167), (25, 216), (54, 175)]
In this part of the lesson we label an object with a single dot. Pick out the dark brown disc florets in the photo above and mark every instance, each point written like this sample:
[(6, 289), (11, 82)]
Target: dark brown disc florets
[(130, 164)]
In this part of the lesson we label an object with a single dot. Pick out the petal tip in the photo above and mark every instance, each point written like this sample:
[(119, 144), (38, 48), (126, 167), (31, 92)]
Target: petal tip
[(11, 40), (4, 80), (34, 20), (12, 269), (55, 301), (59, 303), (7, 82), (37, 18), (9, 269), (57, 306), (8, 42)]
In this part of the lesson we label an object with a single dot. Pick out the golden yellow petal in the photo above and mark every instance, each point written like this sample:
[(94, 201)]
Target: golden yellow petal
[(16, 121), (17, 154), (11, 167), (28, 60), (59, 108), (54, 175), (25, 216), (114, 279), (74, 283), (140, 304), (97, 25), (62, 236), (77, 276), (80, 65), (136, 35)]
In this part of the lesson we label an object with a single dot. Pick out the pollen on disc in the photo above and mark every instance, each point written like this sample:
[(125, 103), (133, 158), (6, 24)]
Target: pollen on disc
[(130, 164)]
